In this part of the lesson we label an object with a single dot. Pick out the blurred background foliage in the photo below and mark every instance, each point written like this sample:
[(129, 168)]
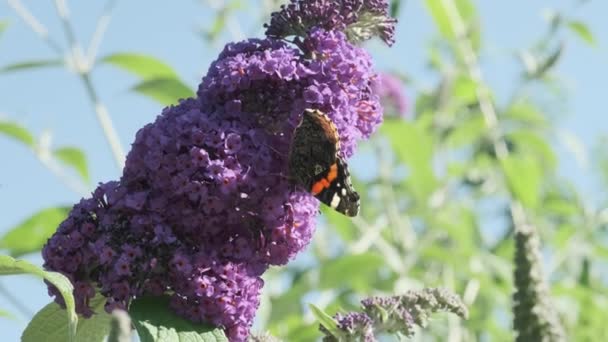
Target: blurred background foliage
[(444, 185)]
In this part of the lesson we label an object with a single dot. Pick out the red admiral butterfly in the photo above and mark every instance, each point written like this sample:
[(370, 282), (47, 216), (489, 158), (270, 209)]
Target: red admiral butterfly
[(314, 163)]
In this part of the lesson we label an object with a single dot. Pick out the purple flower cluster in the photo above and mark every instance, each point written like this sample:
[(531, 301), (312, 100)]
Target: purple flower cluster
[(205, 204), (360, 19), (392, 95)]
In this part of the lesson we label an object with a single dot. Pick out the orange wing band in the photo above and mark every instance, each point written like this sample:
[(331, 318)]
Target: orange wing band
[(324, 183)]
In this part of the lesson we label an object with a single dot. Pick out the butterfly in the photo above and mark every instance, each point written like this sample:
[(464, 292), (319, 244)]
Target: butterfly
[(315, 163)]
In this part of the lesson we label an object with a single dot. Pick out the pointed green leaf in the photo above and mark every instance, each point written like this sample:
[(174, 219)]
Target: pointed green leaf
[(164, 90), (74, 158), (155, 322), (21, 66), (10, 266), (16, 132), (582, 31), (30, 235), (50, 324), (328, 322), (524, 176), (144, 66)]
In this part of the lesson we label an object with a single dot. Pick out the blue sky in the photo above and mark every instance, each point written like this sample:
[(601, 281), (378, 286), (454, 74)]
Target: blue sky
[(54, 100)]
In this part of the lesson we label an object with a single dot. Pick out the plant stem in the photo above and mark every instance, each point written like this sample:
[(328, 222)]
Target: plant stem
[(83, 68), (537, 308), (34, 24)]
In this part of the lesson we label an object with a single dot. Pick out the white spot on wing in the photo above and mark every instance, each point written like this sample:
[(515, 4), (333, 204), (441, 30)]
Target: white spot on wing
[(335, 201)]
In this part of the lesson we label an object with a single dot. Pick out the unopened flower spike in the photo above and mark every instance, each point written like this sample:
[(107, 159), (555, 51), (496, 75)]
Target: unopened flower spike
[(359, 19)]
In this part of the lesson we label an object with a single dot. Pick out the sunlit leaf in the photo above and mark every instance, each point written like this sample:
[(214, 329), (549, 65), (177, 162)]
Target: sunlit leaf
[(288, 301), (524, 177), (27, 65), (50, 324), (75, 158), (465, 90), (414, 147), (328, 322), (525, 113), (164, 90), (16, 132), (10, 266), (30, 235), (529, 143), (582, 31), (443, 17), (293, 328), (467, 132), (144, 66), (356, 270), (156, 322), (563, 235)]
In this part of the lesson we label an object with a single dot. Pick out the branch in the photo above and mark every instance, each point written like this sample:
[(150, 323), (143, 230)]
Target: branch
[(83, 68)]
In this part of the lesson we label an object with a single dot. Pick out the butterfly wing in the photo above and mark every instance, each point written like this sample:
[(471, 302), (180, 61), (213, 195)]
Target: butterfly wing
[(314, 148), (335, 189), (314, 163)]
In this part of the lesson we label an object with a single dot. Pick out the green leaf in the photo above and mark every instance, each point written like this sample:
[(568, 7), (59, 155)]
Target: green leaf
[(529, 143), (155, 322), (30, 235), (37, 64), (164, 90), (441, 15), (525, 113), (395, 7), (537, 66), (144, 66), (467, 132), (414, 147), (355, 270), (340, 223), (524, 176), (328, 322), (6, 314), (465, 89), (16, 132), (74, 158), (212, 33), (10, 266), (3, 26), (50, 324), (582, 31), (289, 302)]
